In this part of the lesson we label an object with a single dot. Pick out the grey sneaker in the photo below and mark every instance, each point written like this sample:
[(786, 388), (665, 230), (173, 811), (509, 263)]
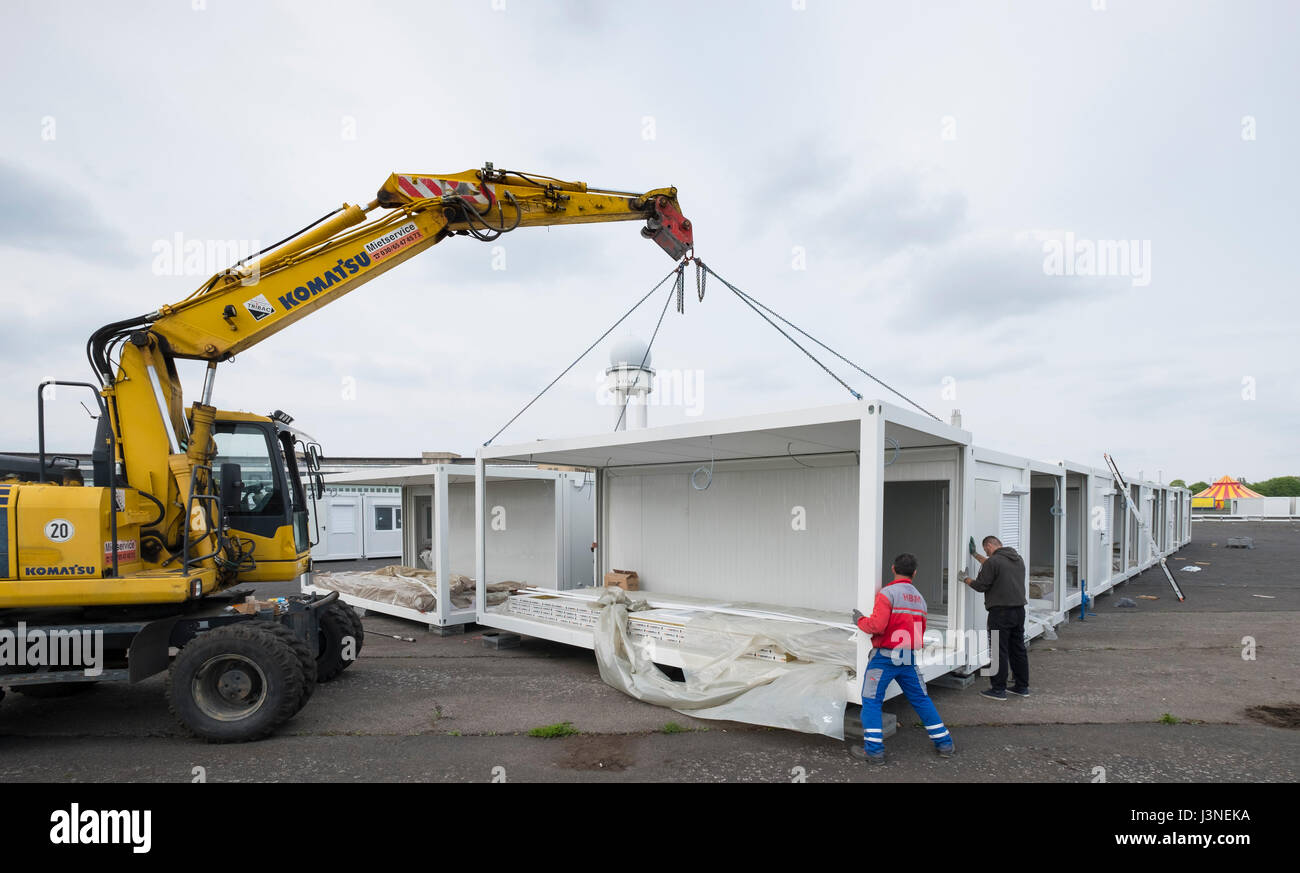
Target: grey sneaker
[(1023, 692), (993, 695)]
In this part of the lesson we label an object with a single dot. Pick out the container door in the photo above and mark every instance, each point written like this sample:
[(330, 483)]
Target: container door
[(341, 528), (383, 526)]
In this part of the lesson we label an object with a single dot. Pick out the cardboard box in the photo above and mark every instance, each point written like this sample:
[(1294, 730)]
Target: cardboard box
[(625, 579)]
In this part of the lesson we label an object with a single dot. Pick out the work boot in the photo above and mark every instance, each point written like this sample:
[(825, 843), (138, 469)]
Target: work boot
[(861, 753), (945, 751)]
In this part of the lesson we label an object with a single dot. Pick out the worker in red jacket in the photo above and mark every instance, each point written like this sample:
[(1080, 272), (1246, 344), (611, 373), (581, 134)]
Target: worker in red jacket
[(897, 628)]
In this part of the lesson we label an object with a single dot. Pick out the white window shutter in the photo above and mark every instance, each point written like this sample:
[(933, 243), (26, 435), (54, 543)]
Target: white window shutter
[(1009, 521)]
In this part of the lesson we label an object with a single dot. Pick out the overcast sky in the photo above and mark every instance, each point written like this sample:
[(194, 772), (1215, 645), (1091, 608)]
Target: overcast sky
[(893, 177)]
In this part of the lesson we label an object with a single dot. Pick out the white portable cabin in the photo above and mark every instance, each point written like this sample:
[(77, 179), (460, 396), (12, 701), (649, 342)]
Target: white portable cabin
[(1280, 508), (803, 512), (1121, 548), (799, 511), (542, 525), (1092, 535), (350, 522)]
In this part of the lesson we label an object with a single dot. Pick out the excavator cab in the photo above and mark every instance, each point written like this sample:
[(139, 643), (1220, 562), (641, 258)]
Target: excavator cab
[(268, 518)]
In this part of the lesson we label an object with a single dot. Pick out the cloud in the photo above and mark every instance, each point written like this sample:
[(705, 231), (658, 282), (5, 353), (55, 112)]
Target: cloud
[(981, 278), (848, 206), (39, 214), (896, 209), (918, 265)]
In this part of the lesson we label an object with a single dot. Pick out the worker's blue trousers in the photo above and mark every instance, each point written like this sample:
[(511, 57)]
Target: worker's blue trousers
[(881, 670)]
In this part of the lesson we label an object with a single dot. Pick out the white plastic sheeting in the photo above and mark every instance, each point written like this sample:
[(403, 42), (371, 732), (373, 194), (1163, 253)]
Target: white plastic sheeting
[(721, 682)]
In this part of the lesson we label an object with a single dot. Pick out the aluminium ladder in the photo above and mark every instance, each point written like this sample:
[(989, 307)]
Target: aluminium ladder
[(1123, 488)]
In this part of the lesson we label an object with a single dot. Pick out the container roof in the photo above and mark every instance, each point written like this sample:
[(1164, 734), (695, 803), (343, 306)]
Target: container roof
[(825, 430), (426, 474)]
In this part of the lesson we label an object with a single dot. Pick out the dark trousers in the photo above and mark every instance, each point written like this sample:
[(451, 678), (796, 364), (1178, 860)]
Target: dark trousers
[(1007, 625)]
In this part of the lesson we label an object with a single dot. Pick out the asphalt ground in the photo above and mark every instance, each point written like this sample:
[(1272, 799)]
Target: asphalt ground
[(1161, 691)]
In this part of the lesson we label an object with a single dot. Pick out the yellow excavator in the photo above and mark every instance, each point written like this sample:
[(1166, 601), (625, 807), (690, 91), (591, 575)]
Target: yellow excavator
[(138, 572)]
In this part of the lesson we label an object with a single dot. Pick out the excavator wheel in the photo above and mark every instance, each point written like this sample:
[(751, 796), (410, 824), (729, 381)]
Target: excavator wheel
[(303, 653), (338, 622), (235, 683), (358, 630)]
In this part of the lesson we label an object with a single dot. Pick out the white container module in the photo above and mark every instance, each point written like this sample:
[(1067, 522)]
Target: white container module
[(1262, 507), (790, 513), (735, 527), (351, 522), (543, 525)]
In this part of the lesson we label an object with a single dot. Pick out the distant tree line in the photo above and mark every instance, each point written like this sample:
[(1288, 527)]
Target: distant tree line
[(1278, 486)]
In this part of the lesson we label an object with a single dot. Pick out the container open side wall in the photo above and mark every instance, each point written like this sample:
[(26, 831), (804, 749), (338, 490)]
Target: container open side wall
[(793, 511), (543, 524)]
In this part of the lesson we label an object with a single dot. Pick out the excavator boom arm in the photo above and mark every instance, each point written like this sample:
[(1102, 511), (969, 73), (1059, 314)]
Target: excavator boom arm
[(167, 451), (413, 212)]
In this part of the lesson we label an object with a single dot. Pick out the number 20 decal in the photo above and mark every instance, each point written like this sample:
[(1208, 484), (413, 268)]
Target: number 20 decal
[(59, 530)]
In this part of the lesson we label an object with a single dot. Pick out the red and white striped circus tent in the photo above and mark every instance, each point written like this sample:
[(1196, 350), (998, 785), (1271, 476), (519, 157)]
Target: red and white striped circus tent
[(1220, 492)]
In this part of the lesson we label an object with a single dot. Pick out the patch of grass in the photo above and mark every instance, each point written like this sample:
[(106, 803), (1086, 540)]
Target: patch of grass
[(453, 733), (1168, 719), (563, 729), (673, 728)]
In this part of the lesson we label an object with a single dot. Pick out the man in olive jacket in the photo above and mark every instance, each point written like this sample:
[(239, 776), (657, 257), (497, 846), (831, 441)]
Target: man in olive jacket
[(1002, 582)]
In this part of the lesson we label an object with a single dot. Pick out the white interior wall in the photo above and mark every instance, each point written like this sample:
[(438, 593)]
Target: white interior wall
[(771, 532), (521, 533)]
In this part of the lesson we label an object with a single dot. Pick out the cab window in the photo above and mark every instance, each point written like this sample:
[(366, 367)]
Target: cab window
[(249, 446)]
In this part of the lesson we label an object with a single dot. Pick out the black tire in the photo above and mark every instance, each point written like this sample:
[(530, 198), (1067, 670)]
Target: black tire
[(304, 655), (338, 622), (50, 692), (358, 629), (236, 683)]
